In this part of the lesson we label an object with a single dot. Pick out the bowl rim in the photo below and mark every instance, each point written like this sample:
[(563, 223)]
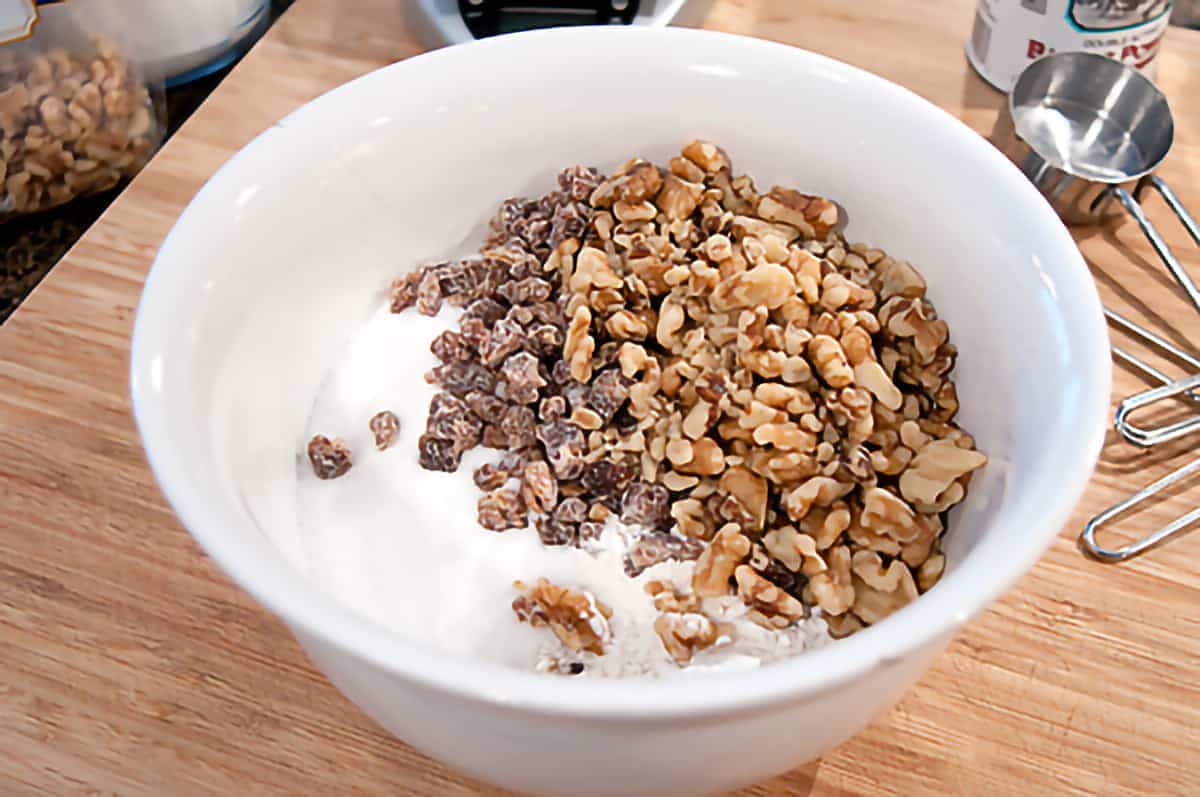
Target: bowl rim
[(316, 616)]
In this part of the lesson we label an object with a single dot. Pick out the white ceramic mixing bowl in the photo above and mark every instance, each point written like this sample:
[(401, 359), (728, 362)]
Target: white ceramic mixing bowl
[(287, 250)]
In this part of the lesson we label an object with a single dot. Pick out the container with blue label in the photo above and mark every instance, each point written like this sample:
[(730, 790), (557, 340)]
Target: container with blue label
[(1009, 34)]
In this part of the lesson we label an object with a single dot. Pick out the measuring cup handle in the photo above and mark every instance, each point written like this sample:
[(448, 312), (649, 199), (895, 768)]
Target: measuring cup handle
[(1156, 240), (1164, 190)]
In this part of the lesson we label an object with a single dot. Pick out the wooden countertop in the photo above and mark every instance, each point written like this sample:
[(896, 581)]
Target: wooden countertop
[(131, 666)]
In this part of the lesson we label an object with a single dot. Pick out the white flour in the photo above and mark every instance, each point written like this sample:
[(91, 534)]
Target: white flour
[(400, 544)]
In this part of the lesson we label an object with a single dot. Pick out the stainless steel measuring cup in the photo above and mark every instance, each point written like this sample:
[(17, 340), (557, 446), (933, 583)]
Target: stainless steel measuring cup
[(1088, 132)]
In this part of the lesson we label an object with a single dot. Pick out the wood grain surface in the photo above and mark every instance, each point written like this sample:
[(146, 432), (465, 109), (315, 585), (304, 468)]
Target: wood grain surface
[(131, 666)]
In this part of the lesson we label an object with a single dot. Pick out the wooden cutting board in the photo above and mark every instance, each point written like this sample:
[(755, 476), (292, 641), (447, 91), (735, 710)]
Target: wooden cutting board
[(131, 666)]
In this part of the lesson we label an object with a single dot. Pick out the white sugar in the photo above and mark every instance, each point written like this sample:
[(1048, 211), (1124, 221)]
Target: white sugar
[(401, 544)]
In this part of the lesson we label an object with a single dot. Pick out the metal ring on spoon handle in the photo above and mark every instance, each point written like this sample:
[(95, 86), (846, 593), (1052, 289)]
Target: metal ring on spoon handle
[(1152, 436), (1087, 540)]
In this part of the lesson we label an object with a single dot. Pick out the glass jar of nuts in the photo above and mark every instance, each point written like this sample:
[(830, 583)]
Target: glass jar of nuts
[(76, 115)]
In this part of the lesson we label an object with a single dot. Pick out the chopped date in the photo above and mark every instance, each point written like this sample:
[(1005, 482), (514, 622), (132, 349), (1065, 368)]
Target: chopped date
[(451, 419), (502, 509), (535, 232), (494, 437), (434, 453), (520, 315), (485, 275), (429, 294), (485, 405), (329, 458), (513, 260), (571, 510), (519, 426), (565, 447), (576, 394), (385, 426), (526, 291), (510, 210), (486, 310), (513, 460), (578, 182), (474, 332), (549, 312), (460, 378), (455, 284), (646, 504), (404, 291), (605, 477), (552, 408), (547, 203), (554, 532), (504, 339), (450, 346), (521, 375), (546, 340), (609, 391), (589, 533), (570, 220), (490, 477), (560, 372), (658, 546)]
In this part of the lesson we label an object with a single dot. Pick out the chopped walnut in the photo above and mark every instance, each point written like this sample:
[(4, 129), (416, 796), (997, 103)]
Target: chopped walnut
[(672, 347), (750, 491), (578, 620), (882, 592), (667, 598), (684, 634), (795, 551), (833, 588), (716, 565), (775, 607), (935, 467)]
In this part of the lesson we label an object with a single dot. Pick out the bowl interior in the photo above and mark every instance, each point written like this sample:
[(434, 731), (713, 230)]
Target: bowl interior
[(290, 247)]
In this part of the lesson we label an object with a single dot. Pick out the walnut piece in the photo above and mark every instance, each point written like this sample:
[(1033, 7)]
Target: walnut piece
[(935, 466), (684, 634), (774, 607), (716, 565), (833, 589), (575, 616)]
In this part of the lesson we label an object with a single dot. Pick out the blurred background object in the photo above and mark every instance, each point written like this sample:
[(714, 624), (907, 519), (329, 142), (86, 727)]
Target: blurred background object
[(443, 22), (1186, 13), (31, 245), (184, 40)]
